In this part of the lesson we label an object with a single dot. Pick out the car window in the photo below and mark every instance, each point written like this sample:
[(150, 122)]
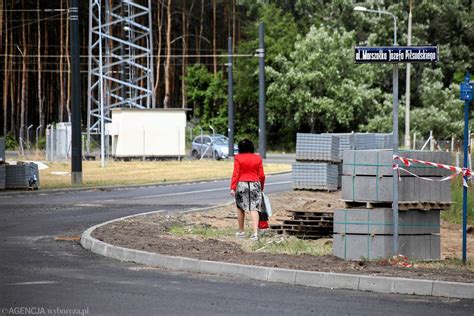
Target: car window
[(197, 140), (221, 141), (206, 140)]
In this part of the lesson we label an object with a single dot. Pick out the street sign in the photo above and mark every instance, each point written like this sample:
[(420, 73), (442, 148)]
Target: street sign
[(395, 54), (466, 89)]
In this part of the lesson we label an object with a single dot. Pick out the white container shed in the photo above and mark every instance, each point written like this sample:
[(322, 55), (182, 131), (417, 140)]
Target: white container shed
[(147, 133)]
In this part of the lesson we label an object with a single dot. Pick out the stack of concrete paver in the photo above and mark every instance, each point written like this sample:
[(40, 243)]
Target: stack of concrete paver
[(364, 227), (22, 176), (316, 167), (319, 156)]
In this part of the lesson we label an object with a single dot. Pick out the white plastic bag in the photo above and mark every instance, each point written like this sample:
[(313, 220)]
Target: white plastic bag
[(266, 206)]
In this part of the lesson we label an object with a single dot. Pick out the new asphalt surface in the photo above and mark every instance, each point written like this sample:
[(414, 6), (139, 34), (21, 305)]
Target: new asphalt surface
[(40, 274)]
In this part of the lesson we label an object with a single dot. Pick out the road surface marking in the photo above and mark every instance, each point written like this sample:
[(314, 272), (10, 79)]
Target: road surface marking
[(33, 283), (193, 192)]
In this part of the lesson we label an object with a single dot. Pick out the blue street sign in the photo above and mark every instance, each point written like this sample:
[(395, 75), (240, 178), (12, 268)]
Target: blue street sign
[(396, 54)]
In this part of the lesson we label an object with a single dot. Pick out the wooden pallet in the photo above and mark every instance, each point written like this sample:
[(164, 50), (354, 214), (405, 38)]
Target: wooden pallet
[(303, 228), (402, 206), (303, 235), (308, 223), (311, 215)]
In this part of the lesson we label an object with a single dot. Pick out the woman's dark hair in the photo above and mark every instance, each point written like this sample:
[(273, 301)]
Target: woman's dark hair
[(246, 146)]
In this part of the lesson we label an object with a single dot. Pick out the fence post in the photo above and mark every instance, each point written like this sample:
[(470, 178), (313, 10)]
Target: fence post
[(431, 141)]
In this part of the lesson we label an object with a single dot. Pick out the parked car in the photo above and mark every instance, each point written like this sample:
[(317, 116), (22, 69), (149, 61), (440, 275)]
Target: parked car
[(211, 146)]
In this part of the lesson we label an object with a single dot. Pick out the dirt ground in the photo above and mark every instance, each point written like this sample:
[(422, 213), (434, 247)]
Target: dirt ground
[(152, 233)]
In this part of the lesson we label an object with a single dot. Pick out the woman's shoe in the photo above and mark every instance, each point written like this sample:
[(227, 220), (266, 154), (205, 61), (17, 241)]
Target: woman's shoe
[(240, 235), (254, 237)]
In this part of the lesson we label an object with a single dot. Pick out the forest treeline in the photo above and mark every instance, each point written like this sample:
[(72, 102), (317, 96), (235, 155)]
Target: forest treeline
[(312, 82)]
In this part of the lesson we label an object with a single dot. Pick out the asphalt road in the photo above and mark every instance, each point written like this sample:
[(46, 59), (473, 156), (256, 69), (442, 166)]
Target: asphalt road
[(41, 276)]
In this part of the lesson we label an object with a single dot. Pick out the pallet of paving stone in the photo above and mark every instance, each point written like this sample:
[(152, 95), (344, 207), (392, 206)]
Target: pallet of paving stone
[(402, 205), (383, 141), (379, 189), (369, 247), (317, 147), (318, 176), (22, 176), (380, 222), (380, 162)]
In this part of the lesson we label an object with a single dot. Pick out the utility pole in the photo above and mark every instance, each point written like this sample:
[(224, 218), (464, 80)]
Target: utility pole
[(76, 157), (261, 93), (230, 100), (407, 89)]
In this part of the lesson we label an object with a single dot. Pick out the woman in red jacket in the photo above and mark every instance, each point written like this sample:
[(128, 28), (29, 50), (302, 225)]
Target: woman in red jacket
[(247, 184)]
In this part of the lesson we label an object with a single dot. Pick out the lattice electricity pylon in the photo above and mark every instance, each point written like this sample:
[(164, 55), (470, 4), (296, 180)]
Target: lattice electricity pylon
[(120, 60)]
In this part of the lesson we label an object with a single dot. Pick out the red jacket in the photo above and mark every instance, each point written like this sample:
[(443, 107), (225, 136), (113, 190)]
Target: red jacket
[(247, 167)]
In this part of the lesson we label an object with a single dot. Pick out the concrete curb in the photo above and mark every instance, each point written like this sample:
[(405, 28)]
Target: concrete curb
[(294, 277)]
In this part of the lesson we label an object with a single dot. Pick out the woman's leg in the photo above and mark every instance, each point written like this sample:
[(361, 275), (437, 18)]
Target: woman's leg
[(255, 218), (240, 219)]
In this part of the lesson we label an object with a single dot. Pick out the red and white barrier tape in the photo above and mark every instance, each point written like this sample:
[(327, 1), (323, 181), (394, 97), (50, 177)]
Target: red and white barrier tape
[(466, 172)]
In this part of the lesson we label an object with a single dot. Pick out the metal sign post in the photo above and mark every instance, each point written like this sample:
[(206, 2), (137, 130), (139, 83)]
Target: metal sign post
[(395, 54), (466, 96)]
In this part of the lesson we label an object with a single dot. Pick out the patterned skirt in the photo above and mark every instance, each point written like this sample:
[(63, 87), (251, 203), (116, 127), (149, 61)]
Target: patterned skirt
[(248, 196)]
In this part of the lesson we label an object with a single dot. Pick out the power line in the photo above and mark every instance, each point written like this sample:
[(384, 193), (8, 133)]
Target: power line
[(36, 21), (33, 10), (111, 56)]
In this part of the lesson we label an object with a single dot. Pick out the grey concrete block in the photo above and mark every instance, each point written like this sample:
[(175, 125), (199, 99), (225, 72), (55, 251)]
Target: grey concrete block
[(378, 284), (379, 162), (409, 286), (381, 246), (309, 278), (256, 273), (342, 281), (282, 275), (380, 221), (379, 189), (453, 289), (368, 246)]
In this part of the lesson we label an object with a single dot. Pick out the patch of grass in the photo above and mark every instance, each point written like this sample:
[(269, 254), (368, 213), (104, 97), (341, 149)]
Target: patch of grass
[(454, 215), (451, 263), (291, 245), (142, 172), (202, 231)]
